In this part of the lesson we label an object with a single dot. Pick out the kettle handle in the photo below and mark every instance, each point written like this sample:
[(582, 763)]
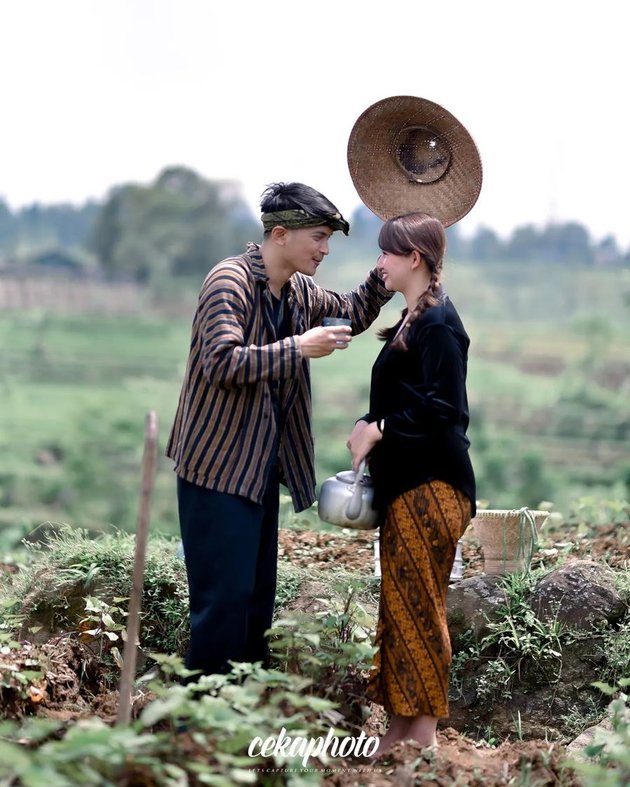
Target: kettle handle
[(353, 509)]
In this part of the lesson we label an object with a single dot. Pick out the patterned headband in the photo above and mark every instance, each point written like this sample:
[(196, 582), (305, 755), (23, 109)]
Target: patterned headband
[(298, 218)]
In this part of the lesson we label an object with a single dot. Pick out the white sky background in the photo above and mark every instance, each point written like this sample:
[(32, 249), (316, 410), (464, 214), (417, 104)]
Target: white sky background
[(101, 92)]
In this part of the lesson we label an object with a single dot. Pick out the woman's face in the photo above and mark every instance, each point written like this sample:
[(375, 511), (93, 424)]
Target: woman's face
[(395, 270)]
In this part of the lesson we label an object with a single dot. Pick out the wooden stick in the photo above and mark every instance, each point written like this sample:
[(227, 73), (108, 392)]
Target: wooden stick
[(130, 651)]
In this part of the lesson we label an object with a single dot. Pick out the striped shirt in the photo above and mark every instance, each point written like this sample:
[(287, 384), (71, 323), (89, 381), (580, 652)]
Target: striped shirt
[(226, 433)]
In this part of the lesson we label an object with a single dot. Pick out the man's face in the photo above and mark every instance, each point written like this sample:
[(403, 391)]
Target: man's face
[(305, 248)]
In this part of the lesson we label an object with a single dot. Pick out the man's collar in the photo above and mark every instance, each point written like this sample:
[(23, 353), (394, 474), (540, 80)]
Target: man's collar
[(259, 272), (257, 265)]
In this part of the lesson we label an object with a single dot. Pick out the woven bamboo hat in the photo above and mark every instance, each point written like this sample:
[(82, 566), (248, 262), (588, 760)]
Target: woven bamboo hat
[(408, 154)]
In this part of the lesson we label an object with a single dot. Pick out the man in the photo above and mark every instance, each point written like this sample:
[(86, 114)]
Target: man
[(243, 423)]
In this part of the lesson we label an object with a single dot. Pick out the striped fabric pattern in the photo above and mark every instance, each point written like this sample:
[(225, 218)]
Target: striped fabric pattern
[(225, 432), (417, 548)]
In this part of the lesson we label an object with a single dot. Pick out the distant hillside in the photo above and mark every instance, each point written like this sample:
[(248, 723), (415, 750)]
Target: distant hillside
[(181, 224)]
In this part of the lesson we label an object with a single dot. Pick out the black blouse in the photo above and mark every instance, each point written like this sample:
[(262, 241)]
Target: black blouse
[(421, 394)]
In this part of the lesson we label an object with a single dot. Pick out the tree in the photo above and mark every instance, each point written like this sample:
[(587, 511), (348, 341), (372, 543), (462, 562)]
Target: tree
[(181, 224), (607, 252), (36, 228), (6, 226), (364, 228), (456, 246), (566, 243), (486, 246)]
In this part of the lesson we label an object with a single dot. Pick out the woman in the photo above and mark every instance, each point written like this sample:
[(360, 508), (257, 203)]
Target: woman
[(415, 439)]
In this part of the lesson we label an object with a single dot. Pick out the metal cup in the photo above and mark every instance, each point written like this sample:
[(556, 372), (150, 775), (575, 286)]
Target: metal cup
[(328, 321)]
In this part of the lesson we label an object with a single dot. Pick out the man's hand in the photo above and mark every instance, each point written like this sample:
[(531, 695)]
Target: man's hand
[(318, 342), (362, 440)]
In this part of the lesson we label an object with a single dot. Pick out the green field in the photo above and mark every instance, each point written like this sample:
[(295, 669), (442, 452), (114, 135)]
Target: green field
[(548, 384)]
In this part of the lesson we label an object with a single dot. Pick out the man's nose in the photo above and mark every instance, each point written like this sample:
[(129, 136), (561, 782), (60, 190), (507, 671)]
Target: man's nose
[(324, 247)]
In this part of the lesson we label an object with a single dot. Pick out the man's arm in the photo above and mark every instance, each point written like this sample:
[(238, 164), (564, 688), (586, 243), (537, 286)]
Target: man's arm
[(361, 305), (225, 306)]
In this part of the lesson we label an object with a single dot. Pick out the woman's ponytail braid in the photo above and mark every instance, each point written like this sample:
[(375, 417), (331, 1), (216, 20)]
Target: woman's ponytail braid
[(430, 297)]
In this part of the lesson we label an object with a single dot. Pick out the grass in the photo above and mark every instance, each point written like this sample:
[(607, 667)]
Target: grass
[(76, 390), (79, 581), (79, 450), (497, 381), (71, 577), (96, 337)]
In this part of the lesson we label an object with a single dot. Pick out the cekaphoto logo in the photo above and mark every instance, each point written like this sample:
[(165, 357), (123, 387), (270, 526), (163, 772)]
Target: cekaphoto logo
[(284, 745)]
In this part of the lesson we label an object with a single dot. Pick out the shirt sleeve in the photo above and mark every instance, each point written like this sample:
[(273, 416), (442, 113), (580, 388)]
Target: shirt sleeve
[(225, 305), (361, 305)]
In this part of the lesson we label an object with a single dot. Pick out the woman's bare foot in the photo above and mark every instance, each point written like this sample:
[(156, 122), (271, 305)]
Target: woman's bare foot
[(423, 730), (397, 731)]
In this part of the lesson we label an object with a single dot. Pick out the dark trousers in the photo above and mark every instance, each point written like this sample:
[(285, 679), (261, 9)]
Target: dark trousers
[(231, 553)]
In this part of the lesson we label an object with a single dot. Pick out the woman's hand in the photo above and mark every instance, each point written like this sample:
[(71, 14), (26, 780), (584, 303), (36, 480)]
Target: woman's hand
[(362, 439)]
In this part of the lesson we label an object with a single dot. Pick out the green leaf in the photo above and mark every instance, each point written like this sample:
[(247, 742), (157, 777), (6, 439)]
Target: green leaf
[(173, 703), (119, 660), (93, 604), (593, 749), (243, 776), (109, 621), (605, 688)]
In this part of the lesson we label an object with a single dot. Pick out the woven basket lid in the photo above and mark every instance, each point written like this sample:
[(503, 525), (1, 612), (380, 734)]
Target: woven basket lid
[(510, 514), (408, 154)]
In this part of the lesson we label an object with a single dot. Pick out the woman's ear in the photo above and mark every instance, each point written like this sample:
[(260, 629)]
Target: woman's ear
[(416, 259)]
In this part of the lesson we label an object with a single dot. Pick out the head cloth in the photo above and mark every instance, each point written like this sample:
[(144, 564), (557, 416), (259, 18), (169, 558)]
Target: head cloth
[(298, 218)]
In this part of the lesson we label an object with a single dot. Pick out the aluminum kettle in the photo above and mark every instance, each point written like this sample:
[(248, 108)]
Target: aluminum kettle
[(346, 499)]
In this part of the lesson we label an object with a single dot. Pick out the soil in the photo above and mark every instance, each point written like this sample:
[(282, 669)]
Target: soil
[(463, 762), (458, 760), (355, 551)]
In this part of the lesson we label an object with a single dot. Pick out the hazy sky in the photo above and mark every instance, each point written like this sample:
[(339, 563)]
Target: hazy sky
[(100, 92)]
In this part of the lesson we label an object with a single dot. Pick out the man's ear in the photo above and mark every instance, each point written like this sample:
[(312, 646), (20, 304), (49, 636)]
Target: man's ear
[(279, 234)]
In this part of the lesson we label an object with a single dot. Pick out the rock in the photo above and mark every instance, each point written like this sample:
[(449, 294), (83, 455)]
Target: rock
[(518, 692), (576, 747), (470, 604), (578, 594)]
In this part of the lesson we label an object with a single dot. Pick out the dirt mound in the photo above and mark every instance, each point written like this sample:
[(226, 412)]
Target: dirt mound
[(74, 686), (311, 549), (460, 761)]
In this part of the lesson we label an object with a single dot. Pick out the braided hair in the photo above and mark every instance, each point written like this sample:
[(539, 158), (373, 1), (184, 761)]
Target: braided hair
[(424, 234)]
